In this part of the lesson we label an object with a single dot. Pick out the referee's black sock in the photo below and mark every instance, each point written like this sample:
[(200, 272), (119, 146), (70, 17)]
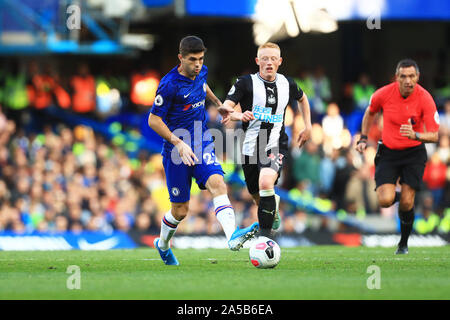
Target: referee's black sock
[(406, 225), (266, 212)]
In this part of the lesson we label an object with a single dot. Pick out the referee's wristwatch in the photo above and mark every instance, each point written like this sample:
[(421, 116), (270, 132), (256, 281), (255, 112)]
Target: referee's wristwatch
[(362, 138), (417, 136)]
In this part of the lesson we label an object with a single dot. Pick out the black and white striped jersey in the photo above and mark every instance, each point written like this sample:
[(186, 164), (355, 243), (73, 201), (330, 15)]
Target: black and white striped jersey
[(268, 101)]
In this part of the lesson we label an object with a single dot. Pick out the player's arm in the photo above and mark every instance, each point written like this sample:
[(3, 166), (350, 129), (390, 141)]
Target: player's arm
[(236, 115), (224, 110), (367, 120), (431, 123), (212, 97), (427, 137), (157, 124), (407, 130), (375, 106), (304, 107), (235, 95)]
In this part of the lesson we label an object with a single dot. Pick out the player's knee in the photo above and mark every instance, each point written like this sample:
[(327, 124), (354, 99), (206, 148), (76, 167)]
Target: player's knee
[(266, 183), (386, 200), (216, 185), (219, 189), (180, 210)]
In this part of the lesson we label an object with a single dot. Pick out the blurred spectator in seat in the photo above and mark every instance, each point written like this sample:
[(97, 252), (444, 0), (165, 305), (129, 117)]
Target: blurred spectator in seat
[(61, 223), (362, 92), (305, 82), (41, 86), (443, 148), (83, 91), (300, 221), (344, 170), (435, 178), (360, 190), (143, 222), (295, 223), (109, 100), (327, 172), (61, 90), (442, 91), (306, 167), (333, 125), (322, 94), (427, 221), (143, 88), (444, 127), (122, 223), (444, 226), (14, 96), (76, 227)]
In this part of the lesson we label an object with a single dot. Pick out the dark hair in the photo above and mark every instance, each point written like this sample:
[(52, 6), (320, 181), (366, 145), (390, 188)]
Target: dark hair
[(191, 44), (405, 63)]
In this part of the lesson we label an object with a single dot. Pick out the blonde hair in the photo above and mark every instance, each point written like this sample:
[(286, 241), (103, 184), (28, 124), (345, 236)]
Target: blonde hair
[(268, 45)]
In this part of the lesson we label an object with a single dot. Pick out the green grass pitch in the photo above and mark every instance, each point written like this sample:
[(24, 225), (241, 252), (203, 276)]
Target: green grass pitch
[(319, 272)]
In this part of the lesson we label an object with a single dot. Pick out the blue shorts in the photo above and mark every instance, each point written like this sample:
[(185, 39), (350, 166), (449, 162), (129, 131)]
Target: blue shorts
[(179, 176)]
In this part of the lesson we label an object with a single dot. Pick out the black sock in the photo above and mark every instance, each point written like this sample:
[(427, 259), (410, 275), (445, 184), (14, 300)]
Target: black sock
[(266, 214), (397, 197), (406, 224)]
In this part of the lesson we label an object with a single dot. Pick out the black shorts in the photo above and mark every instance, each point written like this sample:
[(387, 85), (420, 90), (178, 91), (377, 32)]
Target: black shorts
[(407, 164), (252, 166)]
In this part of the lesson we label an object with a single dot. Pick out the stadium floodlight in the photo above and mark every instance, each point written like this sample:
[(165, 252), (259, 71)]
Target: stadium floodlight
[(140, 41), (286, 18)]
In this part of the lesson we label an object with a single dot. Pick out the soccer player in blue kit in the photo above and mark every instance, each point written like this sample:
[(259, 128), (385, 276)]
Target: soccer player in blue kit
[(178, 115)]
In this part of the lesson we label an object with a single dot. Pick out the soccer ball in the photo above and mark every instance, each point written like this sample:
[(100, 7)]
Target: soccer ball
[(264, 253)]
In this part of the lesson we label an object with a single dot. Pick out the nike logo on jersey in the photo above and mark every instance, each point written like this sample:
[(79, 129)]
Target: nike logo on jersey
[(187, 95)]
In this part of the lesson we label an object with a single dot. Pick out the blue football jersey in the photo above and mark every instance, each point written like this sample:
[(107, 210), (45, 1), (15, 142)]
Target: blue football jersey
[(180, 102)]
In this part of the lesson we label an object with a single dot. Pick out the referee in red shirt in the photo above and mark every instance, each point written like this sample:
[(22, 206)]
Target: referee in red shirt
[(410, 119)]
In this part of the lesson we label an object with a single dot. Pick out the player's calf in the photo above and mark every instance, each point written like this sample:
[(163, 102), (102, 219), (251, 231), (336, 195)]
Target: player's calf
[(406, 225), (266, 211)]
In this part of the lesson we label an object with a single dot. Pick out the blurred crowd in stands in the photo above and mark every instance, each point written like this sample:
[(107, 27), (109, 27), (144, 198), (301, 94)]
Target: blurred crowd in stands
[(56, 176)]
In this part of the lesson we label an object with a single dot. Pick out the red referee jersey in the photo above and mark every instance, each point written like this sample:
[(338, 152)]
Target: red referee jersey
[(419, 106)]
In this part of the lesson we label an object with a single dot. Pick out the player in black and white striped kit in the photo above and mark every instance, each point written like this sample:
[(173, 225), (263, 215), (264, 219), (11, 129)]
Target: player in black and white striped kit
[(263, 98)]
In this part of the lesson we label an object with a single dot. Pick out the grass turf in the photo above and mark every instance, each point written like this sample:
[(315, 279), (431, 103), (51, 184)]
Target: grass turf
[(319, 272)]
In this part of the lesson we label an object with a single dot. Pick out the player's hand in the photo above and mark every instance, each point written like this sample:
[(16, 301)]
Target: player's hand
[(238, 116), (361, 145), (225, 111), (187, 156), (304, 136), (406, 130), (247, 116)]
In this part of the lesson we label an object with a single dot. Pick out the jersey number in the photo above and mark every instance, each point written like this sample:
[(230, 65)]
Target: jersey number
[(210, 158)]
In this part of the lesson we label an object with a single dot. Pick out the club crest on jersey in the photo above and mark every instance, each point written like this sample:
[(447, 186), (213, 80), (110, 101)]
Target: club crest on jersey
[(159, 100), (272, 99)]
